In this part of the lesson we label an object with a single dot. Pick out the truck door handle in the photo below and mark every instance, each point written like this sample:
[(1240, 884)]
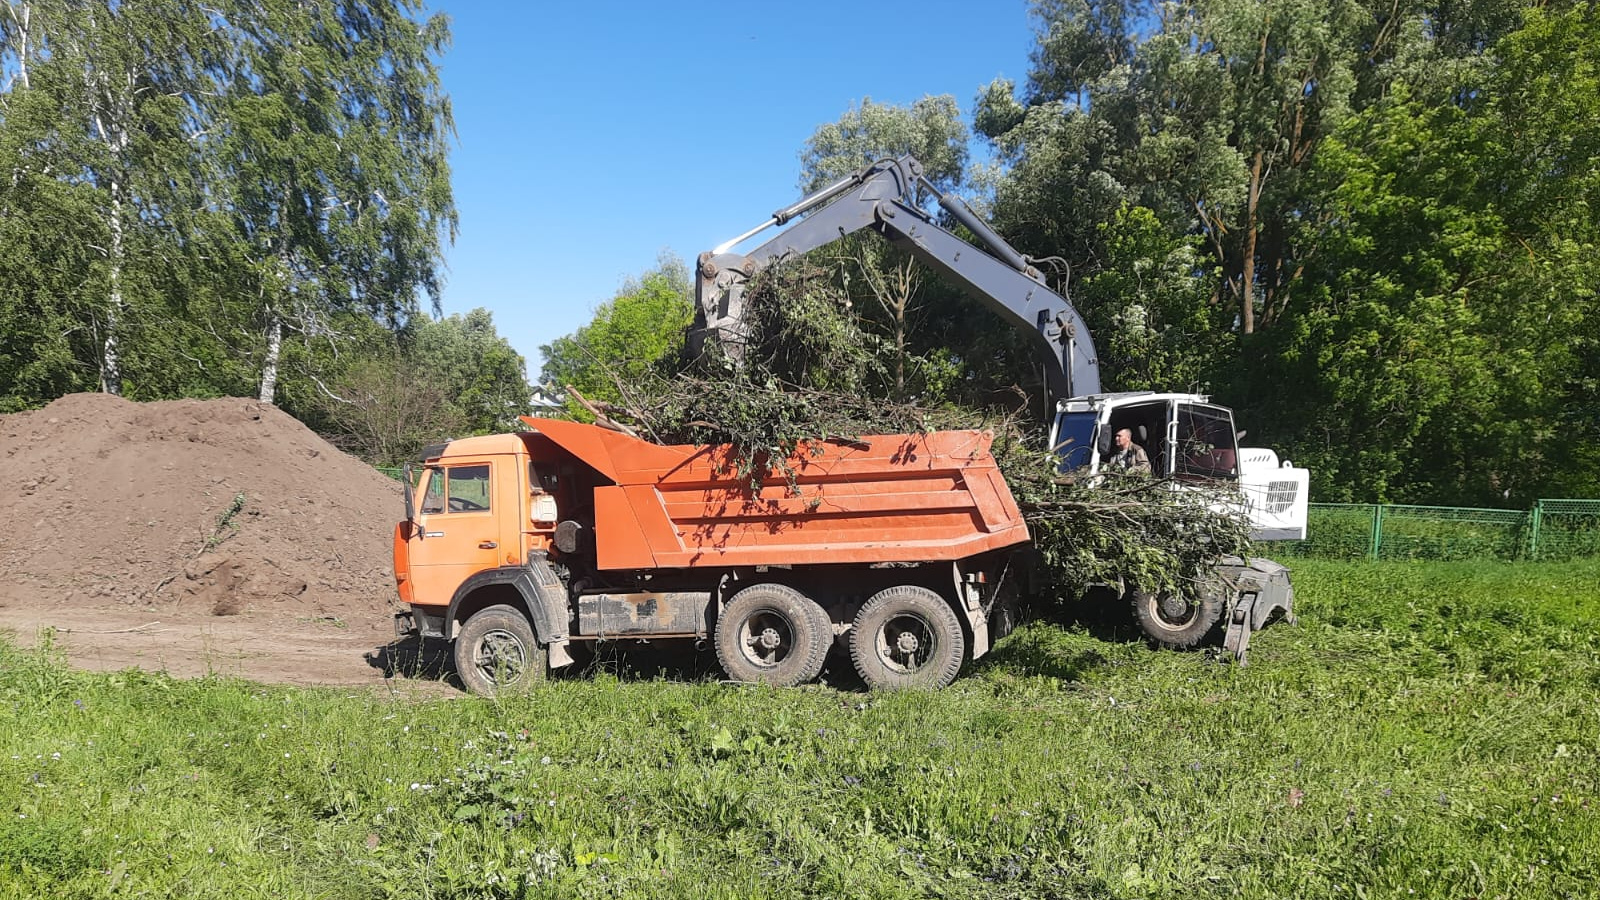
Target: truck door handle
[(487, 545)]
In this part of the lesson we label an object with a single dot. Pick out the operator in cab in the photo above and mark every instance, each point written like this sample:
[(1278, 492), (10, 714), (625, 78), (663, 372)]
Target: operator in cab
[(1128, 458)]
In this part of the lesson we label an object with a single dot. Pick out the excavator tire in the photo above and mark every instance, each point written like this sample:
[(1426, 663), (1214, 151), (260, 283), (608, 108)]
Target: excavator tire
[(1176, 621)]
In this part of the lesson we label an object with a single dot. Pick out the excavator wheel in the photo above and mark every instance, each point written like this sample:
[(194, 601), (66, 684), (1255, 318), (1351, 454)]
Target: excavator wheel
[(1174, 619)]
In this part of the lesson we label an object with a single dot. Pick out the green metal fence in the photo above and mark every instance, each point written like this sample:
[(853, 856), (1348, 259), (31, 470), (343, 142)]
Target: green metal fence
[(1552, 529), (1564, 529)]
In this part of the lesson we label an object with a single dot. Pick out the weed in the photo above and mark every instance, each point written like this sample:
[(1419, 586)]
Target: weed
[(225, 527)]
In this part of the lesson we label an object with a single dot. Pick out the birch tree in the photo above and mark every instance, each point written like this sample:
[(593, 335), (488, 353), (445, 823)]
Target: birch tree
[(333, 149)]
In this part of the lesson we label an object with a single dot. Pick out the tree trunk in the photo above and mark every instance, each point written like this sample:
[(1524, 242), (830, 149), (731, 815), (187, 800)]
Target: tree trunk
[(1247, 268), (110, 356), (111, 107), (22, 14), (269, 367)]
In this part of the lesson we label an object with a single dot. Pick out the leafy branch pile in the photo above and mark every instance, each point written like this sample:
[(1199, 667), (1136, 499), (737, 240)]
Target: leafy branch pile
[(1134, 528), (809, 374)]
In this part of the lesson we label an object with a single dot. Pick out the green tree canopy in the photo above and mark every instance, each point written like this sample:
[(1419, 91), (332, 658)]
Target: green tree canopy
[(638, 330)]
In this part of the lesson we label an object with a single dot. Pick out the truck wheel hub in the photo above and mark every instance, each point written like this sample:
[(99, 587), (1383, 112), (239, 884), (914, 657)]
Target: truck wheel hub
[(907, 643), (769, 639)]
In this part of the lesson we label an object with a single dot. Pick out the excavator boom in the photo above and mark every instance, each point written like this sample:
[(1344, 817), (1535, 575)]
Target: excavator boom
[(881, 197)]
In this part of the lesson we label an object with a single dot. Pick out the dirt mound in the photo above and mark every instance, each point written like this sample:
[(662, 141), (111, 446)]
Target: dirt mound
[(190, 509)]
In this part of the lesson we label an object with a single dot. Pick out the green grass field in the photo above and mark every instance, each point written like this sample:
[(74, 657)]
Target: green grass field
[(1428, 730)]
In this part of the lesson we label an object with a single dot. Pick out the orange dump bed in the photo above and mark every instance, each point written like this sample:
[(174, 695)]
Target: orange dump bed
[(888, 498)]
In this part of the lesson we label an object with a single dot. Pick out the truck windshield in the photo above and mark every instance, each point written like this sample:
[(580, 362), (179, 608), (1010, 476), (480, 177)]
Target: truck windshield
[(1074, 440)]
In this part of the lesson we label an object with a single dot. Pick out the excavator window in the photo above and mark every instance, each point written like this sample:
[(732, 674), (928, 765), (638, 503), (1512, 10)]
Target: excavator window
[(1074, 440), (1207, 446), (1148, 422)]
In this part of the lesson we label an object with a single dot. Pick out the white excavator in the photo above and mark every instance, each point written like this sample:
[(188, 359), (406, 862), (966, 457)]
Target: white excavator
[(1188, 439)]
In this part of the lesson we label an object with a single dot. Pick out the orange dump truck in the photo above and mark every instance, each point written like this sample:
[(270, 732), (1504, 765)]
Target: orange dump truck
[(523, 548)]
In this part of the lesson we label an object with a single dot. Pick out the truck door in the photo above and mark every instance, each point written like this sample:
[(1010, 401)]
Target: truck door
[(461, 533)]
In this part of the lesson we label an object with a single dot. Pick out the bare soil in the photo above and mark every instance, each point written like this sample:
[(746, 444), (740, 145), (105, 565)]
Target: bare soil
[(195, 537)]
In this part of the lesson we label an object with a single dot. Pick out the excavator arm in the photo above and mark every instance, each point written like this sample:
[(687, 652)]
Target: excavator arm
[(881, 197)]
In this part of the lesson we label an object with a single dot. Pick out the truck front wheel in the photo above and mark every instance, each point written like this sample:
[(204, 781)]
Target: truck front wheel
[(497, 652), (773, 634), (906, 637)]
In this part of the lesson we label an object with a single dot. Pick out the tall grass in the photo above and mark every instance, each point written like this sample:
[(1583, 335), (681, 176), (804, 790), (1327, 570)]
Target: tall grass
[(1426, 731)]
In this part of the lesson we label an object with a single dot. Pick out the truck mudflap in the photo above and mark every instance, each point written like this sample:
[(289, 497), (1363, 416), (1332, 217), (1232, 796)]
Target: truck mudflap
[(1260, 592)]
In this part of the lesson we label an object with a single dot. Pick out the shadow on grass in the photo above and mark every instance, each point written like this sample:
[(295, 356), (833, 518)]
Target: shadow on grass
[(1101, 616), (1021, 656), (1079, 638), (416, 659), (626, 660), (685, 660), (1099, 612), (432, 659)]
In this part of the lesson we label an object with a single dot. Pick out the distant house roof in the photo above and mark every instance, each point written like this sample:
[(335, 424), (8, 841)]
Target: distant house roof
[(546, 399)]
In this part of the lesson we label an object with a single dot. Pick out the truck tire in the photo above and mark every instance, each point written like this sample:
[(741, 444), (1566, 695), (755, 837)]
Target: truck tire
[(496, 652), (773, 634), (1174, 620), (907, 637)]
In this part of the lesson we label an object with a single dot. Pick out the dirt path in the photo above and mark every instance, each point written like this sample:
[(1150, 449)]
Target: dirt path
[(302, 651)]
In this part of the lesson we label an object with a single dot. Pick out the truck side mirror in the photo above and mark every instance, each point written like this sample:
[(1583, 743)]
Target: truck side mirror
[(411, 500), (1104, 442)]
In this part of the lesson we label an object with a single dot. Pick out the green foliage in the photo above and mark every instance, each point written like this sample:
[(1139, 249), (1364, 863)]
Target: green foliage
[(1150, 313), (640, 330), (809, 374), (479, 374), (1443, 348), (1398, 199), (193, 187), (1129, 531), (226, 527), (929, 129), (1425, 731), (450, 377)]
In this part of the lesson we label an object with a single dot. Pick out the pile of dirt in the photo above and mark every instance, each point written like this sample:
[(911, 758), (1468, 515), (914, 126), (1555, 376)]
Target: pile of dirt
[(190, 509)]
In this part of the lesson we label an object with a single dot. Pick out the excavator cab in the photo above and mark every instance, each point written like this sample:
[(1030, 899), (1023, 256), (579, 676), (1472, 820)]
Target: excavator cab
[(1190, 441)]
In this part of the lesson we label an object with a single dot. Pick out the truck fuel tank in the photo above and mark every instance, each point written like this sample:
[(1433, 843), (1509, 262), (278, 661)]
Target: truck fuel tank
[(656, 614)]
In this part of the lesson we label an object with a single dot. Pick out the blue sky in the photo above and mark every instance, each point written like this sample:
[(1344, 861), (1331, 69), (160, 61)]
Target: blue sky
[(595, 135)]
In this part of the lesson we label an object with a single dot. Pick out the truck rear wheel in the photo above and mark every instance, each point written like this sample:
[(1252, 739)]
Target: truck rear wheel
[(496, 652), (773, 634), (1174, 619), (906, 637)]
